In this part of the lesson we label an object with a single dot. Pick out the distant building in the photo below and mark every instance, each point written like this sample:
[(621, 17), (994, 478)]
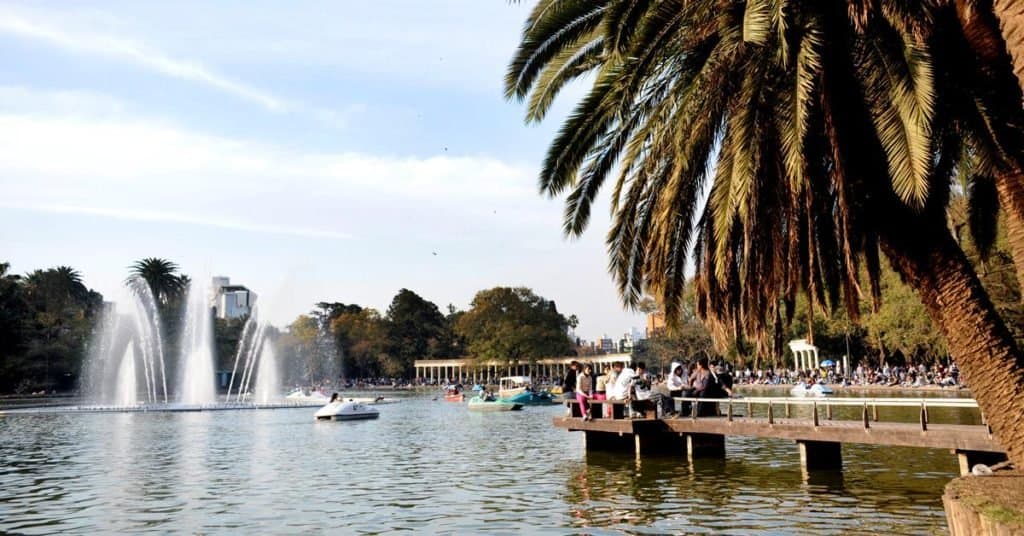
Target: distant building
[(231, 301), (655, 323), (629, 340), (606, 345)]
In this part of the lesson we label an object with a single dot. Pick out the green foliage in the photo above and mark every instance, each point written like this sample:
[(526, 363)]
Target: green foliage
[(685, 342), (416, 330), (803, 124), (362, 336), (46, 319), (513, 324)]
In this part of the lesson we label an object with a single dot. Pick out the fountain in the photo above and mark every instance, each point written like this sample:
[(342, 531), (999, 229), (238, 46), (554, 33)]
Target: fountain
[(268, 380), (126, 394), (197, 385), (126, 370), (256, 356), (126, 343)]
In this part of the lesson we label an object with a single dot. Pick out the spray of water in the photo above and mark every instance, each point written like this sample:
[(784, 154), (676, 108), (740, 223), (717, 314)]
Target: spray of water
[(126, 393), (128, 340), (267, 376), (197, 379)]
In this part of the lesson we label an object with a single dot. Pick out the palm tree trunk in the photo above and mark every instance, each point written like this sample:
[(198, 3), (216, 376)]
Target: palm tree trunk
[(989, 360), (1010, 188), (1011, 22)]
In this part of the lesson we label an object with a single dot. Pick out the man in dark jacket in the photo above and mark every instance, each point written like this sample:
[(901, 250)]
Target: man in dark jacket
[(569, 384)]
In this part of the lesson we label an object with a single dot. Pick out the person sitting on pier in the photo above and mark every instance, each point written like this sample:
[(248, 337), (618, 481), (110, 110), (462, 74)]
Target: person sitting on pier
[(620, 389)]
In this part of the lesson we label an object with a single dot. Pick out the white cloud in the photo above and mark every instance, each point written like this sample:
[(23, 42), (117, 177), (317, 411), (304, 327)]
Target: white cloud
[(146, 57), (140, 170), (184, 218)]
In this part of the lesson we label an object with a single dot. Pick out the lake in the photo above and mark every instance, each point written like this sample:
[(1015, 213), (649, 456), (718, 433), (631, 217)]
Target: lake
[(431, 467)]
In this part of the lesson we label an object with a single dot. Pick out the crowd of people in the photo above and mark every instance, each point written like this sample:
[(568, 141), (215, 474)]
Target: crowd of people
[(908, 376), (642, 390)]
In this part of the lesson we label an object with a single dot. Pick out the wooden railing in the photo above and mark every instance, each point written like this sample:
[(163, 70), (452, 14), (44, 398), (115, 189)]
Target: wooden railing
[(772, 408)]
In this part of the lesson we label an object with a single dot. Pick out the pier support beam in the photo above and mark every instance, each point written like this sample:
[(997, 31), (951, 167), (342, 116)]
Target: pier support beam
[(660, 444), (970, 458), (608, 442), (705, 446), (821, 455)]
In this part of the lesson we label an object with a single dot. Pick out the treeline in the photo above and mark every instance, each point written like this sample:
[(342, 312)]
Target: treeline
[(352, 341), (898, 332), (46, 319)]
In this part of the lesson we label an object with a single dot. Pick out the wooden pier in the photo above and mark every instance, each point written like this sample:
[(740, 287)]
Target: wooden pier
[(807, 422)]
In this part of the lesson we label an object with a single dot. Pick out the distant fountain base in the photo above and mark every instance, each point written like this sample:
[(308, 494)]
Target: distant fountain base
[(159, 408)]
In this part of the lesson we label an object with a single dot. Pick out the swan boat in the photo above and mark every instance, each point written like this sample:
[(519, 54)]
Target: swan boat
[(817, 389), (349, 410)]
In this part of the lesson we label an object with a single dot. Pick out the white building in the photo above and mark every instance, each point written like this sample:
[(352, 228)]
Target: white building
[(231, 301)]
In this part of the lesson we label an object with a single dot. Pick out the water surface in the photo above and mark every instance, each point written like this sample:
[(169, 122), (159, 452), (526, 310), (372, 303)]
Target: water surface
[(431, 467)]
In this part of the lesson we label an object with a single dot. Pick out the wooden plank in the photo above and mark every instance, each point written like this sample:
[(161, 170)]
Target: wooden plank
[(945, 436)]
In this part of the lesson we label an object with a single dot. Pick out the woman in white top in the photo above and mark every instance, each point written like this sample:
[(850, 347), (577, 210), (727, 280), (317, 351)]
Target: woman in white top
[(677, 379)]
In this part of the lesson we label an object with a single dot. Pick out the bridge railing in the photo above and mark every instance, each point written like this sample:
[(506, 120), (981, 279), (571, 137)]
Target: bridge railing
[(771, 407)]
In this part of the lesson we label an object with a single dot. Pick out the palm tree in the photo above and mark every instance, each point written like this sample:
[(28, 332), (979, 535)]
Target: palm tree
[(161, 276), (998, 107), (821, 134), (1011, 21)]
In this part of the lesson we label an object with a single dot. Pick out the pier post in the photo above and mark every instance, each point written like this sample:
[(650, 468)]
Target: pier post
[(705, 446), (821, 455), (970, 458)]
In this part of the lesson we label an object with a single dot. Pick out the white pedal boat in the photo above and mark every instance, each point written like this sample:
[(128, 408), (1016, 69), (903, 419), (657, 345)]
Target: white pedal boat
[(817, 389), (349, 410)]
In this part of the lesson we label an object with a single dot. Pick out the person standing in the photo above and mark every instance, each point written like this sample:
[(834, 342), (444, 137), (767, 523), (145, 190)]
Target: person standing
[(677, 379), (584, 384), (569, 383)]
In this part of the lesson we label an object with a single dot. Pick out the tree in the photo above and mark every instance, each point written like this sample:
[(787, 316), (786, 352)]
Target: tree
[(416, 330), (162, 277), (14, 317), (513, 325), (362, 336), (61, 315), (824, 133), (308, 352)]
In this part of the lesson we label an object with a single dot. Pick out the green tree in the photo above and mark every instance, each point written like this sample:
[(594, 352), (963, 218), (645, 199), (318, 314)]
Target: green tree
[(362, 336), (416, 330), (62, 313), (513, 325), (162, 277), (308, 352), (823, 133), (14, 319)]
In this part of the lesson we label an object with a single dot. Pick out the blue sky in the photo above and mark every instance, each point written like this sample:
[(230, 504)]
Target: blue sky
[(315, 151)]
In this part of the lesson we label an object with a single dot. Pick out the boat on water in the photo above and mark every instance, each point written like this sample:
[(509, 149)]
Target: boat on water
[(346, 410), (510, 386), (531, 398), (303, 395), (519, 390), (489, 404), (816, 389), (453, 393)]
